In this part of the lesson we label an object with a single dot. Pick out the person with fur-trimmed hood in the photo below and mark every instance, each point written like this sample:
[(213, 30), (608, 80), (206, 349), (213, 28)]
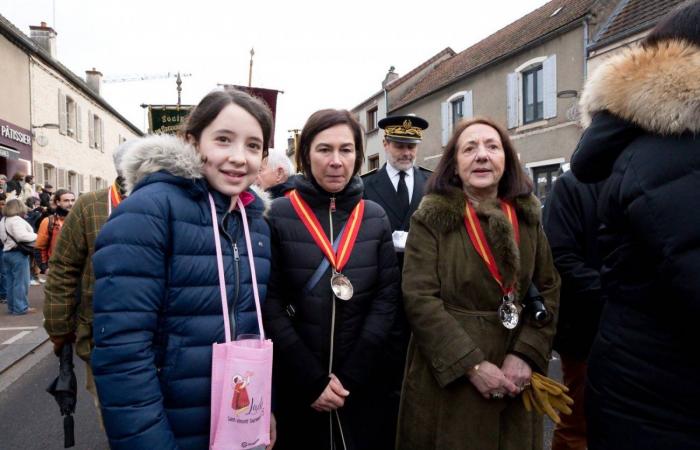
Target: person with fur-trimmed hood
[(157, 303), (642, 112), (467, 367)]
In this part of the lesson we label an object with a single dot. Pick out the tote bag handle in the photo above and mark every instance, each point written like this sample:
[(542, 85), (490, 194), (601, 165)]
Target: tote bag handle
[(220, 264)]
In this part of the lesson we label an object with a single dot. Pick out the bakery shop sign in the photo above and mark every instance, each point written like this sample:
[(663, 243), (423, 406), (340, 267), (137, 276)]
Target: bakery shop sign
[(13, 138)]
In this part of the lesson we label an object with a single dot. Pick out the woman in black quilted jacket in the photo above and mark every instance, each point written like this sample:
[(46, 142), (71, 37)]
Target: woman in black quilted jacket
[(329, 337), (642, 108)]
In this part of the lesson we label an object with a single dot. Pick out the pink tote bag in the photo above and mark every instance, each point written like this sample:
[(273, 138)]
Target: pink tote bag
[(241, 371)]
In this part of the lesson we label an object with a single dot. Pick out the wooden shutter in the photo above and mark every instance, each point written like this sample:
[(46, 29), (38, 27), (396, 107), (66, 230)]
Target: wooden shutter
[(549, 72), (38, 173), (102, 135), (62, 113), (445, 117), (81, 184), (512, 99), (92, 183), (60, 182), (467, 105), (91, 129), (78, 123)]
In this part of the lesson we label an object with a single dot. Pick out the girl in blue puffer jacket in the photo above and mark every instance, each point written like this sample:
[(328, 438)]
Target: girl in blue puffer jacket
[(157, 303)]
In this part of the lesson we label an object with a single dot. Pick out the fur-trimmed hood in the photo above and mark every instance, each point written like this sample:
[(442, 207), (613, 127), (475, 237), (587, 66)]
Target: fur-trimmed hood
[(445, 213), (656, 88), (157, 153)]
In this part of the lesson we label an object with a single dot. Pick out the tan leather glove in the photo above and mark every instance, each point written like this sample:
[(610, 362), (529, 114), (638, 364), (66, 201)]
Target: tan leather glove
[(547, 396)]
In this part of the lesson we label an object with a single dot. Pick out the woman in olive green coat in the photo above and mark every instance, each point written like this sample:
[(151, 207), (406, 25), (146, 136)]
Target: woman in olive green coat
[(465, 370)]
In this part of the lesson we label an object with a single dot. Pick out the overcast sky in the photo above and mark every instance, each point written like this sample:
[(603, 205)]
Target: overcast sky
[(322, 54)]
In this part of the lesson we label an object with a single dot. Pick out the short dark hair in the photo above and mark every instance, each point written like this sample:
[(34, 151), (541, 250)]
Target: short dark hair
[(48, 186), (214, 102), (31, 201), (682, 22), (514, 182), (60, 193), (28, 178), (322, 120)]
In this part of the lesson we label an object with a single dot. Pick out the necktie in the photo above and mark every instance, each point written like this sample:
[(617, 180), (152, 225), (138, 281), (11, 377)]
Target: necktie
[(402, 193)]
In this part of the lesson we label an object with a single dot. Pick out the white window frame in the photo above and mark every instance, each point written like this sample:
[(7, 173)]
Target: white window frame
[(50, 175), (447, 112), (515, 115)]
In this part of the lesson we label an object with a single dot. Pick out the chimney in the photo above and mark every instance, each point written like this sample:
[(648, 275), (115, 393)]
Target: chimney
[(93, 78), (45, 37), (390, 76)]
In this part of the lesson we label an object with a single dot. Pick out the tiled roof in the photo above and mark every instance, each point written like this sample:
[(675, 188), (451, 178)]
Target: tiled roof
[(633, 16), (446, 52), (547, 19), (11, 32)]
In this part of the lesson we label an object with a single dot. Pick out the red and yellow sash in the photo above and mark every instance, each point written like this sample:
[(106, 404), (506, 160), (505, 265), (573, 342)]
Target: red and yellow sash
[(311, 223), (481, 245), (115, 197)]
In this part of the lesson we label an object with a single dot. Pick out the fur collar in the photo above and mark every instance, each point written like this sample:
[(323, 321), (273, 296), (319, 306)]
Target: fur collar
[(445, 213), (159, 152), (656, 88)]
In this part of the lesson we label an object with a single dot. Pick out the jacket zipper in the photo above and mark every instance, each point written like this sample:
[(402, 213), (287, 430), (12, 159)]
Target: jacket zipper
[(331, 210), (236, 259)]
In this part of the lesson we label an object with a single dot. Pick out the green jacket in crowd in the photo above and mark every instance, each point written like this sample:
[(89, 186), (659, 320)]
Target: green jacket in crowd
[(451, 303), (70, 282)]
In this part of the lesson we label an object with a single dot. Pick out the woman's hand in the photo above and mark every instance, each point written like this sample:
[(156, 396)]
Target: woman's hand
[(517, 371), (273, 432), (333, 397), (489, 379)]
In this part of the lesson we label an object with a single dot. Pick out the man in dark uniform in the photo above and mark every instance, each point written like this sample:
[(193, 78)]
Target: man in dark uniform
[(399, 185)]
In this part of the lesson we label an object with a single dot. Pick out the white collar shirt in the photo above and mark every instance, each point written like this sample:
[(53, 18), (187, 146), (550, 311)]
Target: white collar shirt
[(395, 177)]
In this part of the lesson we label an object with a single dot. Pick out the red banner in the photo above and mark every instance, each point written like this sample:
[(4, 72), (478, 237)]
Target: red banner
[(269, 96)]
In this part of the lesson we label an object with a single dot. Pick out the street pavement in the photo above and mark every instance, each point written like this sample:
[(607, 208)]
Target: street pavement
[(29, 416)]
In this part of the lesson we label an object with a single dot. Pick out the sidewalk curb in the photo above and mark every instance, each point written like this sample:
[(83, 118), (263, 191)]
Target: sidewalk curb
[(15, 352)]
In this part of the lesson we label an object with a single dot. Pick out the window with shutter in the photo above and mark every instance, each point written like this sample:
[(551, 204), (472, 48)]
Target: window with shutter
[(459, 106), (50, 175), (72, 114), (92, 183), (81, 184)]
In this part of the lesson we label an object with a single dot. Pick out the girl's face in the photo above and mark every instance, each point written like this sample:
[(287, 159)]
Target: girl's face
[(232, 147), (332, 157)]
